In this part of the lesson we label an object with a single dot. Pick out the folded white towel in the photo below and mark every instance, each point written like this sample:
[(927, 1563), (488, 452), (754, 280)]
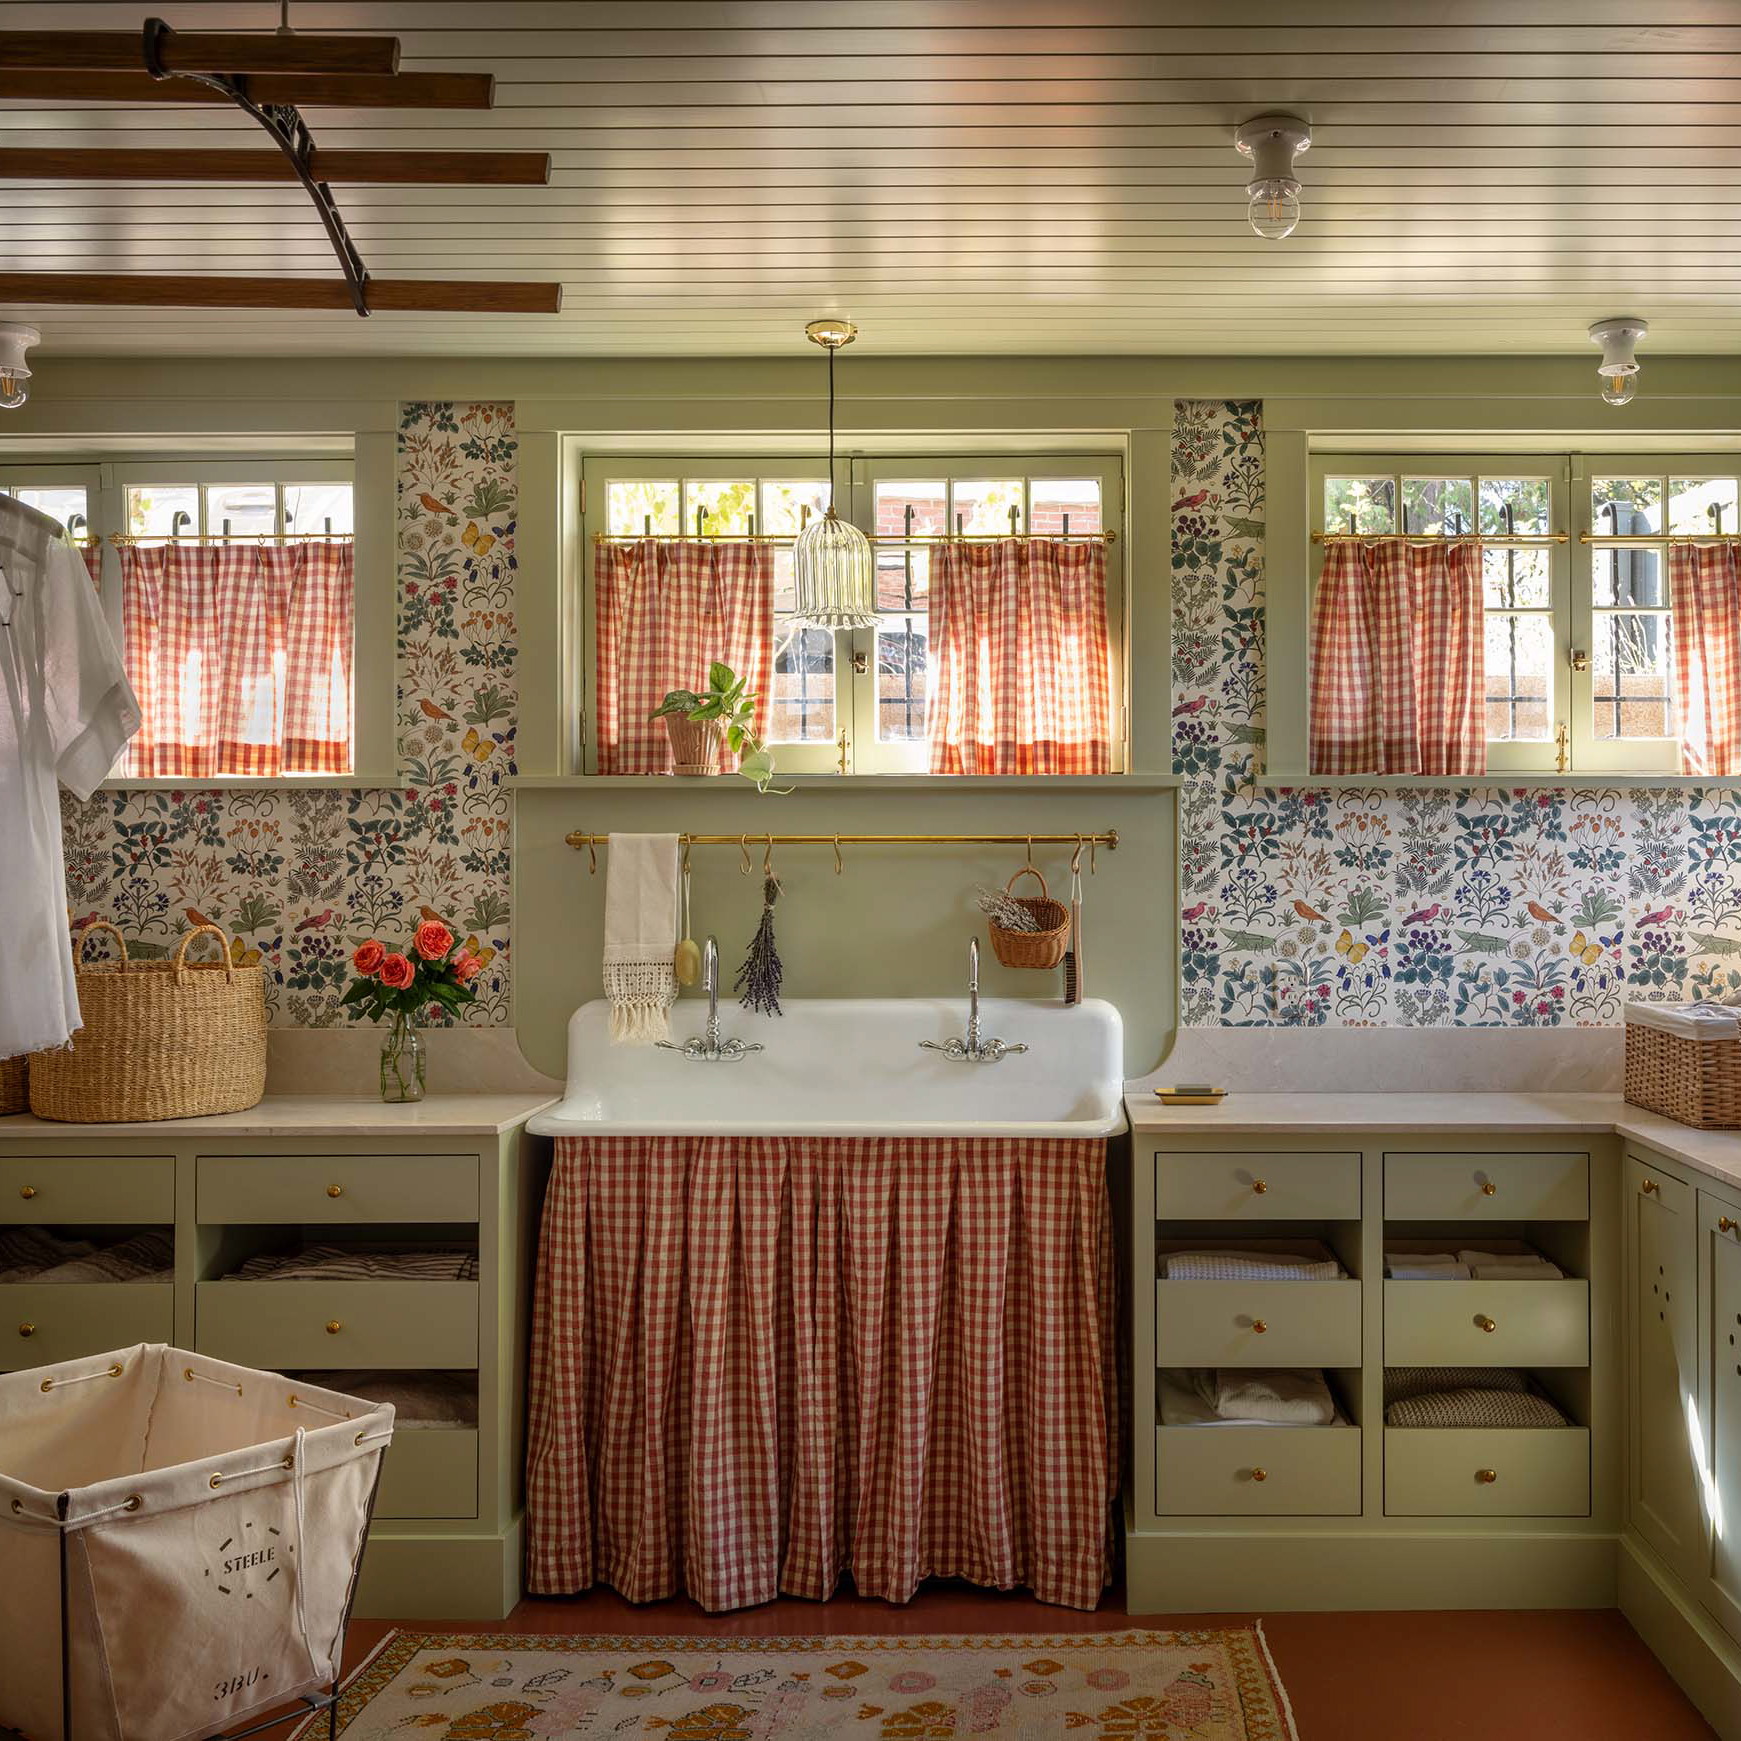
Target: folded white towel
[(641, 936), (1423, 1259), (1406, 1269), (1516, 1272), (1300, 1399), (1249, 1266)]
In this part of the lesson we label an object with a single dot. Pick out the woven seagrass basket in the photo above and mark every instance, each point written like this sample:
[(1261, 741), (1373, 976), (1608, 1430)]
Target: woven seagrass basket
[(1042, 948), (14, 1090), (162, 1039), (1696, 1082)]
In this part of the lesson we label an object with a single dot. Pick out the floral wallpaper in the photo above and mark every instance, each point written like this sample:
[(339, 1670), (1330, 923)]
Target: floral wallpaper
[(300, 875), (1468, 907)]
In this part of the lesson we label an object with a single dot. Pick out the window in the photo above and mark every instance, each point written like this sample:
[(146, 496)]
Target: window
[(1579, 629), (856, 703)]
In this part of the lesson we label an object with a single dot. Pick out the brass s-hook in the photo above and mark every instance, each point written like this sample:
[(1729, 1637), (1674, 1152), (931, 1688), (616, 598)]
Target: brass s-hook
[(591, 856), (768, 856), (1030, 852), (687, 844), (1076, 858), (839, 863)]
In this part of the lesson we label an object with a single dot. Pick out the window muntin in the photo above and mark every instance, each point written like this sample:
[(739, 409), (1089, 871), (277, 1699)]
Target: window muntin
[(262, 506), (873, 686)]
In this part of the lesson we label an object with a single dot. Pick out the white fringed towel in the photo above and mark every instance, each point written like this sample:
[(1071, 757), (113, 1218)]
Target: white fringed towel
[(641, 936)]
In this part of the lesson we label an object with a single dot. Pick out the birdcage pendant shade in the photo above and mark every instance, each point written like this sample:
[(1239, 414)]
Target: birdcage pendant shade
[(834, 575)]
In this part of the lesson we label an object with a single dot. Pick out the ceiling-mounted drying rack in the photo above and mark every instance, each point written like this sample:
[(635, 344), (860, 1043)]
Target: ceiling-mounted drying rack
[(580, 840)]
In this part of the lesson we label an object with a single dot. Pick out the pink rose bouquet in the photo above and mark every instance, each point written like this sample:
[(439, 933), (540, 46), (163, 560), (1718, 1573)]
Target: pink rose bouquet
[(403, 982)]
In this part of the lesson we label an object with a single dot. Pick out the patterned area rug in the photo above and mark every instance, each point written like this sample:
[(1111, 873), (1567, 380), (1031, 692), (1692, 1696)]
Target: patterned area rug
[(1215, 1685)]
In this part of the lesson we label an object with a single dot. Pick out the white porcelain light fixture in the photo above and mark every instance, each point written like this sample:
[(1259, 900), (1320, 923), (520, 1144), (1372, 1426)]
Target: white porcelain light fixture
[(1618, 336), (15, 340), (1272, 142), (833, 566)]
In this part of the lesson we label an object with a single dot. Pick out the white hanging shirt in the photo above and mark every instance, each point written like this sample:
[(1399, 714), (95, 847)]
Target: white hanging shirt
[(66, 711)]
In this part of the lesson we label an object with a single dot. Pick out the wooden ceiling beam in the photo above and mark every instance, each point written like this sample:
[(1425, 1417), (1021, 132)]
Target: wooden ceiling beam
[(305, 90), (385, 295), (195, 51), (449, 168)]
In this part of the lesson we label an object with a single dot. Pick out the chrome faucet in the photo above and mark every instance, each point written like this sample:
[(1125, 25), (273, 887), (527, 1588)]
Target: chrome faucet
[(972, 1050), (712, 1049)]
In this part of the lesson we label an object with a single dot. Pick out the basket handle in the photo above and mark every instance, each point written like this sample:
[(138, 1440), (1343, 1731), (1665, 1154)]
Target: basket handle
[(223, 950), (91, 925), (1028, 870)]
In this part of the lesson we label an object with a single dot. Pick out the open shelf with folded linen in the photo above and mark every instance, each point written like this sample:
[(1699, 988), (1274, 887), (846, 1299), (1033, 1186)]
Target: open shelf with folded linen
[(1246, 1300), (64, 1291), (1257, 1442)]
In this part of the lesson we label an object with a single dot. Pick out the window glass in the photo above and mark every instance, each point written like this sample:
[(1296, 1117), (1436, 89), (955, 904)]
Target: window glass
[(718, 507), (319, 508), (903, 578), (1431, 506), (987, 504), (642, 507), (1516, 579), (1625, 506), (902, 685), (156, 510), (801, 707), (1359, 504), (1520, 676), (1514, 506), (66, 505), (1702, 506), (926, 498), (1633, 692), (1063, 505), (784, 501), (238, 508)]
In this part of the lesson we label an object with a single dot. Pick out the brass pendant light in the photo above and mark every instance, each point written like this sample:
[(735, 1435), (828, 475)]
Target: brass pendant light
[(833, 566)]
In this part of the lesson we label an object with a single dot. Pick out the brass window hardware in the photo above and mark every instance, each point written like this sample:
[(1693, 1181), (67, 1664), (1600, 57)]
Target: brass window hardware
[(843, 746), (1579, 659), (1562, 747)]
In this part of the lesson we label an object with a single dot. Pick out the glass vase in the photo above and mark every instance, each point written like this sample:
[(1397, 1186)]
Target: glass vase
[(402, 1063)]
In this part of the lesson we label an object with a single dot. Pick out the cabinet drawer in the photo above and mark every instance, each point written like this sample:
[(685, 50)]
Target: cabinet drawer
[(410, 1325), (1257, 1324), (430, 1472), (310, 1189), (66, 1190), (1487, 1472), (45, 1322), (1454, 1187), (1487, 1323), (1257, 1187), (1257, 1471)]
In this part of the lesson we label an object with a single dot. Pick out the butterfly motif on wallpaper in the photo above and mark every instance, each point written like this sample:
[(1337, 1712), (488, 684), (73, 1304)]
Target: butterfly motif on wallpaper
[(477, 542), (1585, 949)]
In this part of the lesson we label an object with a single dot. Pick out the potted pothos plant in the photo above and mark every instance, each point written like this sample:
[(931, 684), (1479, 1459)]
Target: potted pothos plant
[(703, 723)]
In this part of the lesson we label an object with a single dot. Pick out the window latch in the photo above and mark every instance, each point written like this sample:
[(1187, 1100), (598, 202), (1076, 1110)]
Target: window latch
[(860, 664), (1562, 748), (1579, 659)]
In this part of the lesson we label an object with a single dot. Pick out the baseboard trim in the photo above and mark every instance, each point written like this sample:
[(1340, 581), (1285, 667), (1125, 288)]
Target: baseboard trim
[(1702, 1659), (440, 1577), (1326, 1570)]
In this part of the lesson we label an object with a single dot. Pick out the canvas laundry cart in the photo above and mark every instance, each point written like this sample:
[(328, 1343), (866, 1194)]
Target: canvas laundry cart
[(179, 1544)]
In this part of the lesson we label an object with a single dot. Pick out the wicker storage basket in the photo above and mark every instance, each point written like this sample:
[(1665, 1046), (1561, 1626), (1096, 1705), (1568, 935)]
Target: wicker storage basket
[(1044, 947), (1689, 1079), (14, 1090), (162, 1039)]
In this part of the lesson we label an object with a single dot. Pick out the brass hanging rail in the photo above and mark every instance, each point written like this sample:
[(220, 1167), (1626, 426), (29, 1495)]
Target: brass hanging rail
[(1518, 541), (580, 840), (1650, 540), (893, 543), (119, 539)]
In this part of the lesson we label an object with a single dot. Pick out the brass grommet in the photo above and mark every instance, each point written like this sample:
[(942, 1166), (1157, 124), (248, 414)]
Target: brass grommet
[(133, 1503), (217, 1481)]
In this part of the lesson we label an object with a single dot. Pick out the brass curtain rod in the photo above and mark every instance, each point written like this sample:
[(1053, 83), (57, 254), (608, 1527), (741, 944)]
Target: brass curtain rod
[(118, 539), (580, 840), (1522, 540), (1649, 540), (892, 542)]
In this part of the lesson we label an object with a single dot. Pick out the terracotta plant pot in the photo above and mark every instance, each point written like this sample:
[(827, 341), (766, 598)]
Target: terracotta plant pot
[(695, 745)]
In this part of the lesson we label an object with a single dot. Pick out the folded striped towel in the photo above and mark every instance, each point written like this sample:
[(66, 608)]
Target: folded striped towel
[(1406, 1267), (145, 1257), (1249, 1266), (1474, 1408), (1510, 1266), (1403, 1382), (340, 1263)]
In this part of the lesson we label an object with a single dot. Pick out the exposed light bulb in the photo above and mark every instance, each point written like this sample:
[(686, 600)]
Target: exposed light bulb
[(13, 391), (1618, 370), (1619, 389), (15, 340), (1274, 207)]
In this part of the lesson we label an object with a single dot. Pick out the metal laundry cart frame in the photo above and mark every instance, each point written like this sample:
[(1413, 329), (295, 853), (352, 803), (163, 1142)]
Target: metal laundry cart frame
[(312, 1703)]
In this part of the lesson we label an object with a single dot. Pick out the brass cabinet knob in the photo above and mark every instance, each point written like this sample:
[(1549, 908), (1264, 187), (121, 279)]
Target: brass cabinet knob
[(1727, 1223), (333, 1326), (1259, 1327), (335, 1190), (1486, 1476), (1258, 1187), (26, 1330), (1650, 1187), (1488, 1188), (26, 1192), (1486, 1323), (1260, 1475)]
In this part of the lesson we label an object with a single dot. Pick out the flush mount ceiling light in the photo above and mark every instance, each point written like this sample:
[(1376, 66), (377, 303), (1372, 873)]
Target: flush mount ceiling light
[(833, 570), (15, 340), (1272, 142), (1618, 336)]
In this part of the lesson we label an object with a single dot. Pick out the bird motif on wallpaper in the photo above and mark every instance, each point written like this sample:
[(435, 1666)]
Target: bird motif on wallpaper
[(1308, 912), (1660, 917), (315, 921), (1537, 911), (433, 504), (1425, 915), (1187, 502), (1192, 914), (196, 917), (1195, 705), (433, 710)]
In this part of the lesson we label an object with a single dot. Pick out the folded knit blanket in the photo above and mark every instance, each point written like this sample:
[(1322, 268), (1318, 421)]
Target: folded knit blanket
[(1474, 1408), (1290, 1398), (143, 1257), (25, 1252), (1403, 1382), (343, 1263), (1249, 1266)]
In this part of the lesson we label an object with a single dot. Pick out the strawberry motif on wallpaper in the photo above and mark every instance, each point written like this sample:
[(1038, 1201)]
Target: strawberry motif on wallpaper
[(300, 875), (1478, 906)]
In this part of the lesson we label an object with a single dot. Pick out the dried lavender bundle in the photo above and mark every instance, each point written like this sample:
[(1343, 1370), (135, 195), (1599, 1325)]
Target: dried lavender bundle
[(1004, 910), (759, 978)]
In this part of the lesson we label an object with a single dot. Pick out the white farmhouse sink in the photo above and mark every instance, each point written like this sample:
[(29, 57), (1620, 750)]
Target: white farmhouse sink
[(850, 1067)]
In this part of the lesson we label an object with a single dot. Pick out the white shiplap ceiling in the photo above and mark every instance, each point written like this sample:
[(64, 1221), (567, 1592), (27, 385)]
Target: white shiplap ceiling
[(965, 176)]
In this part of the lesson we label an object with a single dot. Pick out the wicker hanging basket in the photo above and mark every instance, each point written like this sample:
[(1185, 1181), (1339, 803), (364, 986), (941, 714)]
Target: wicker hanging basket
[(14, 1092), (1044, 947), (162, 1039)]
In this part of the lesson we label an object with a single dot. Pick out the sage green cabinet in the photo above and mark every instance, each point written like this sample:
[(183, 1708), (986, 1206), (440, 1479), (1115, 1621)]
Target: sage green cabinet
[(1720, 1249), (1663, 1483)]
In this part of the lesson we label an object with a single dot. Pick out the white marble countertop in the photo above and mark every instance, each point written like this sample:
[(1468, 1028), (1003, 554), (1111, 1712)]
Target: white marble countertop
[(303, 1115), (1716, 1152)]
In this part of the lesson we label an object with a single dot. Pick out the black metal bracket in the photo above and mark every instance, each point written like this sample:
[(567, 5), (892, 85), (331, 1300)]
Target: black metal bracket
[(287, 129)]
